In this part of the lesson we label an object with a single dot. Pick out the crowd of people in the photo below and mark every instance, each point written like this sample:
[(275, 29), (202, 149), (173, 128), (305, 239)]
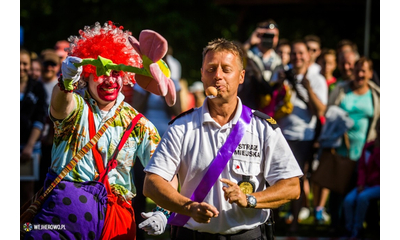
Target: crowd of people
[(286, 87), (305, 81)]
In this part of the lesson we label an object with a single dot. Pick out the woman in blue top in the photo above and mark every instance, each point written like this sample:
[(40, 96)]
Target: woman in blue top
[(359, 97)]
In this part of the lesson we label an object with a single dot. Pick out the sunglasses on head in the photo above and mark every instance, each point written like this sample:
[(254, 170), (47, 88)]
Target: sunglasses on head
[(49, 63)]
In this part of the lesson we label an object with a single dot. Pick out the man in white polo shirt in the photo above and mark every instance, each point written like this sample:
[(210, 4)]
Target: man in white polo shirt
[(309, 99), (225, 156)]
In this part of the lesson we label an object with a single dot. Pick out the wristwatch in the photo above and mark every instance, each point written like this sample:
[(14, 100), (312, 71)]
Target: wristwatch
[(251, 201)]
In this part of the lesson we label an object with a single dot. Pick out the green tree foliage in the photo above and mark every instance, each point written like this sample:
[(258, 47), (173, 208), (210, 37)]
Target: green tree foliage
[(188, 25)]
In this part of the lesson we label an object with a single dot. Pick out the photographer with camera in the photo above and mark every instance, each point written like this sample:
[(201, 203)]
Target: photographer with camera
[(260, 48), (309, 96), (262, 65)]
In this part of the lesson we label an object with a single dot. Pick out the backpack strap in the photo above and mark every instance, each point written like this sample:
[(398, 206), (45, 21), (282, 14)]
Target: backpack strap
[(95, 151), (113, 162)]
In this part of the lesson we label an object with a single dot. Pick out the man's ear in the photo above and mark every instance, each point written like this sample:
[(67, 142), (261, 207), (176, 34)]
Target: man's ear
[(242, 73)]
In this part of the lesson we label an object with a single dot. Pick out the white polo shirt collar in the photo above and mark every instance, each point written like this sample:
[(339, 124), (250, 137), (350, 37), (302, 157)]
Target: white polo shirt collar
[(205, 114)]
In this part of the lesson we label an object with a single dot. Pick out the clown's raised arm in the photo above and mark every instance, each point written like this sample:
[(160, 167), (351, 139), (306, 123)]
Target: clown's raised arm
[(88, 99), (100, 51)]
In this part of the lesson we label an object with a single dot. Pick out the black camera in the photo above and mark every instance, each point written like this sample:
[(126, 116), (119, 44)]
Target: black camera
[(267, 40), (289, 75)]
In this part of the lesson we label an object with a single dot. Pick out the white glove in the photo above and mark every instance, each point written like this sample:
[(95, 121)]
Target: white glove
[(69, 71), (155, 222)]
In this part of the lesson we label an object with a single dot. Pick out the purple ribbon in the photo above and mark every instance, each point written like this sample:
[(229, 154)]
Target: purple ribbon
[(217, 165)]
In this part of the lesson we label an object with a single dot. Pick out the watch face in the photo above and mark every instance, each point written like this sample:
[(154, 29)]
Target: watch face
[(252, 201)]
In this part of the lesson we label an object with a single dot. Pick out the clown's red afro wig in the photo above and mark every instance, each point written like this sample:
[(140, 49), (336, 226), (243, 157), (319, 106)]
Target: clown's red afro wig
[(110, 42)]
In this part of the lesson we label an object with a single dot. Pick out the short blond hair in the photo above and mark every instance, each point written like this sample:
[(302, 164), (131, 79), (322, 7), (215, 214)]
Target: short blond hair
[(222, 44)]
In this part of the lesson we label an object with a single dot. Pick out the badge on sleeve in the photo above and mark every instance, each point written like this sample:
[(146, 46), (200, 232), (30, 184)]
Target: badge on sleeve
[(246, 186)]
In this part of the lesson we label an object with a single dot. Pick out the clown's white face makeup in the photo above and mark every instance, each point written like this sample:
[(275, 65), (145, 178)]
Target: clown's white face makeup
[(105, 90)]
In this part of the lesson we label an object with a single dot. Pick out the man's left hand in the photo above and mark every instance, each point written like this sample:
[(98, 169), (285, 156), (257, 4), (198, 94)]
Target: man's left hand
[(233, 194)]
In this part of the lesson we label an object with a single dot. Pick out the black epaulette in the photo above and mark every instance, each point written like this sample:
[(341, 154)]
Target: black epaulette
[(180, 115), (269, 119)]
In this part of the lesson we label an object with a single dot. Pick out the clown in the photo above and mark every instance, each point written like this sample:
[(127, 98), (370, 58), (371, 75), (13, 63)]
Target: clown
[(93, 199), (110, 46)]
